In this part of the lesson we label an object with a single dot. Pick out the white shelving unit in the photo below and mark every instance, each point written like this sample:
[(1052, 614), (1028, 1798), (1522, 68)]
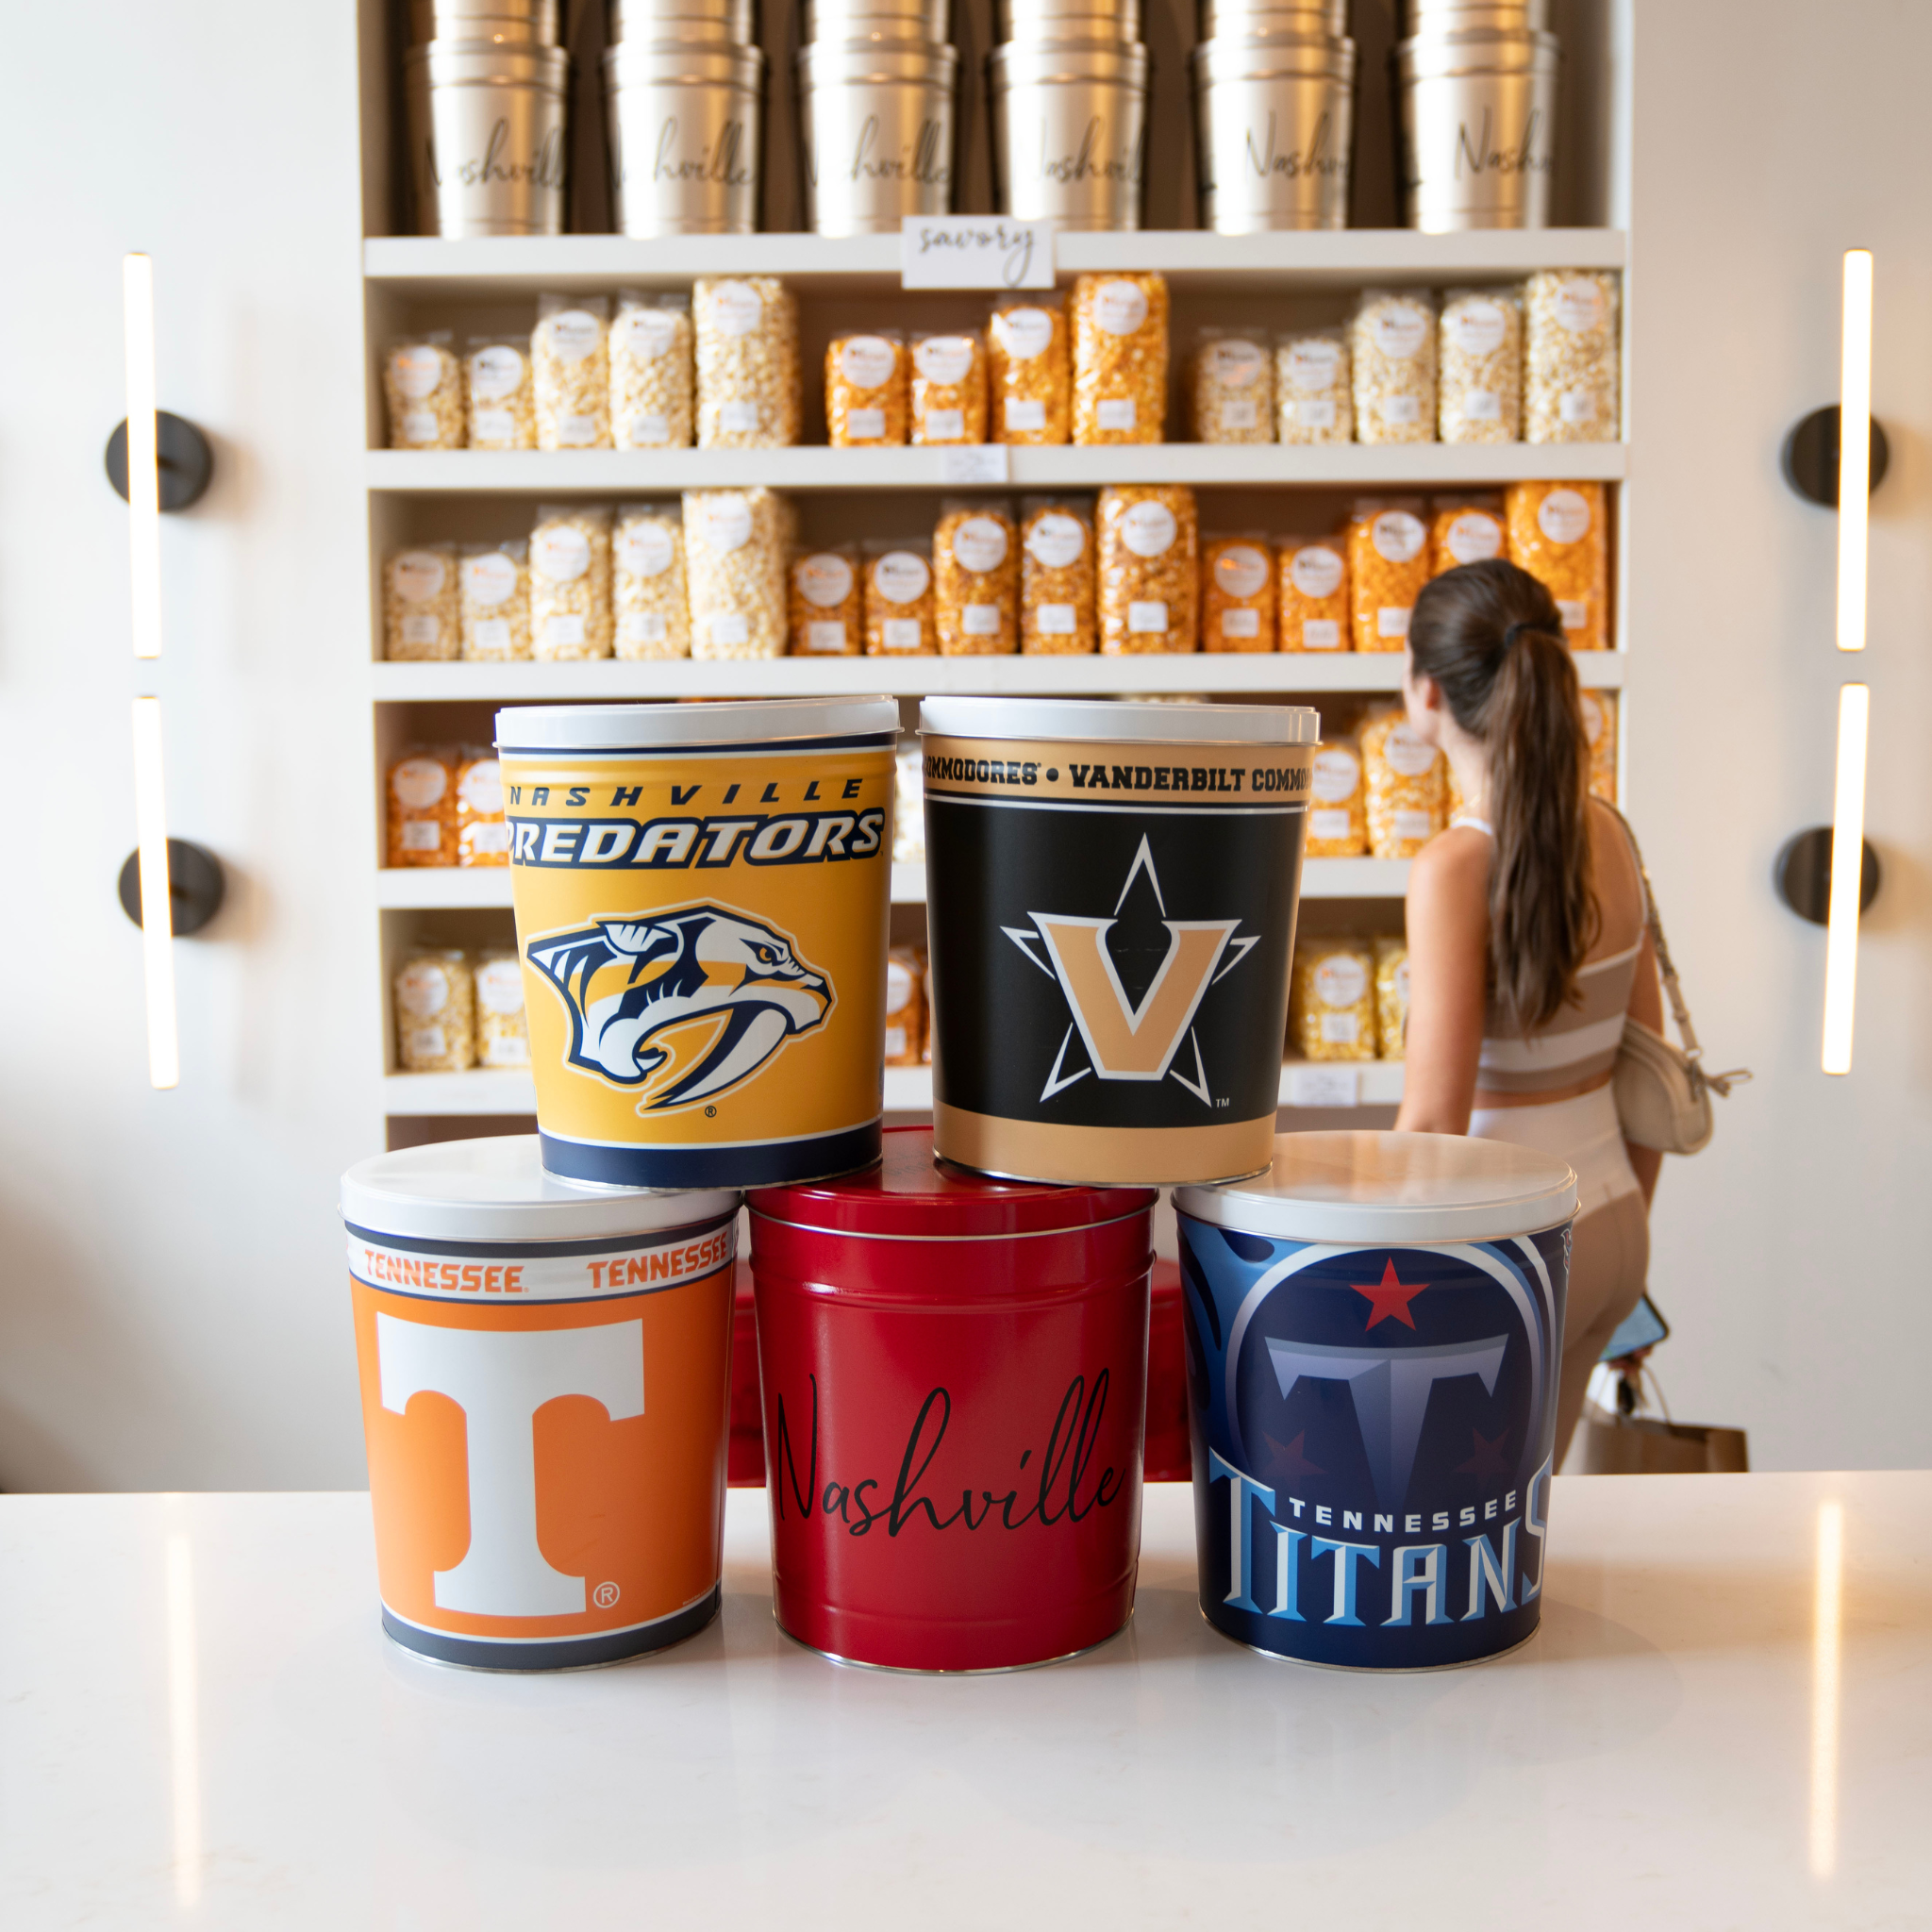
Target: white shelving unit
[(908, 1089), (464, 491)]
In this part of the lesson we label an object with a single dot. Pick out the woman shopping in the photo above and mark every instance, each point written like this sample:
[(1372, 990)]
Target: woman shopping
[(1527, 938)]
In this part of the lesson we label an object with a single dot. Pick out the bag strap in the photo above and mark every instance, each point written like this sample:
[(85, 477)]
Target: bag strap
[(1673, 989)]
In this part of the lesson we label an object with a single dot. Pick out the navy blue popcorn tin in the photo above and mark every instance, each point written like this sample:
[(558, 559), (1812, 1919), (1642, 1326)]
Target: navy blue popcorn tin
[(1373, 1333)]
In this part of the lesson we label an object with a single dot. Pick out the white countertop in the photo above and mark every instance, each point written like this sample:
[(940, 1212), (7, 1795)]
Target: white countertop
[(201, 1723)]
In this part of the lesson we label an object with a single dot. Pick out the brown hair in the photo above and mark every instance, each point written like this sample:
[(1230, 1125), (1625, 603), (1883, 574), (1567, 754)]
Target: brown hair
[(1491, 635)]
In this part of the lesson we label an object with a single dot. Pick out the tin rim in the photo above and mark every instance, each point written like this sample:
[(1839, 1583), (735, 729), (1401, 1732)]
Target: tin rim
[(1101, 721), (858, 1663), (1024, 1234), (565, 730)]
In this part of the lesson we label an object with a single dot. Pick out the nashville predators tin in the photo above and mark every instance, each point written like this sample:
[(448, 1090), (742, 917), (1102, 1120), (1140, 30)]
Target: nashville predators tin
[(702, 932)]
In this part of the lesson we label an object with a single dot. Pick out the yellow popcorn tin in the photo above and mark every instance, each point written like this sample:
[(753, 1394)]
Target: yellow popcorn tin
[(702, 894)]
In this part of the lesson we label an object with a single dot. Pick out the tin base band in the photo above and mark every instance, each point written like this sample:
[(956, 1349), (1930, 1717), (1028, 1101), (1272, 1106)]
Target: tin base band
[(1040, 1663), (768, 1164), (1312, 1663), (1120, 1157), (565, 1653)]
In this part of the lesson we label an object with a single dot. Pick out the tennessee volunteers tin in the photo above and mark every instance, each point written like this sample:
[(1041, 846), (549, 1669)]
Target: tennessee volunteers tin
[(954, 1375), (1374, 1333), (545, 1372), (1110, 901), (701, 893)]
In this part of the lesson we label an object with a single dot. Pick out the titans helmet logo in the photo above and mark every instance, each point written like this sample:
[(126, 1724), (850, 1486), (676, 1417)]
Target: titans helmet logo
[(685, 1004)]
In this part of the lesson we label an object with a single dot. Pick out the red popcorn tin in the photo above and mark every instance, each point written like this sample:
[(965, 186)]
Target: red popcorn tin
[(954, 1374)]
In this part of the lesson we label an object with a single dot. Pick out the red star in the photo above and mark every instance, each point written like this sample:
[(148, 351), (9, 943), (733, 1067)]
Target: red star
[(1390, 1297), (1488, 1457), (1291, 1455)]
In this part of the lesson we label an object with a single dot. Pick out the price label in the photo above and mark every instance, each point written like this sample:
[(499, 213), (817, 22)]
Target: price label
[(974, 462), (974, 252), (1314, 1082)]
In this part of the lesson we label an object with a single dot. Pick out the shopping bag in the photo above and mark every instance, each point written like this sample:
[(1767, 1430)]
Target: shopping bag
[(1608, 1443)]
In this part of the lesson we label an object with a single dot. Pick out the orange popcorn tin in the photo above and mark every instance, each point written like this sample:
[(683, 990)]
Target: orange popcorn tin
[(545, 1373)]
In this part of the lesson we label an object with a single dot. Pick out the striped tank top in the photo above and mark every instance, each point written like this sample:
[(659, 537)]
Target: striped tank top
[(1581, 1042)]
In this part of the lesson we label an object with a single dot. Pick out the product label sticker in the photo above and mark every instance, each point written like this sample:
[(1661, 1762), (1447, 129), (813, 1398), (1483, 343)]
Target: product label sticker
[(422, 630), (1330, 825), (420, 427), (1401, 412), (496, 371), (1477, 327), (645, 548), (480, 789), (1243, 413), (1242, 571), (1576, 406), (980, 620), (1481, 406), (1024, 334), (418, 576), (979, 544), (1407, 755), (500, 986), (1575, 611), (1580, 308), (737, 417), (490, 635), (578, 432), (492, 426), (1232, 363), (1120, 307), (1316, 569), (1399, 331), (648, 430), (942, 423), (1117, 412), (1473, 537), (729, 628), (560, 553), (1056, 541), (424, 1043), (1413, 828), (736, 307), (1055, 619), (1338, 775), (1026, 415), (824, 578), (944, 359), (645, 333), (489, 580), (725, 523), (1320, 634), (563, 630), (641, 626), (865, 426), (416, 371), (573, 334), (973, 463), (1315, 412), (1147, 618), (1341, 980), (1563, 516), (485, 840), (1241, 623), (1398, 537), (1391, 621), (901, 577), (1340, 1029), (422, 989), (902, 634), (825, 636), (867, 361), (1311, 367), (1148, 529), (420, 783)]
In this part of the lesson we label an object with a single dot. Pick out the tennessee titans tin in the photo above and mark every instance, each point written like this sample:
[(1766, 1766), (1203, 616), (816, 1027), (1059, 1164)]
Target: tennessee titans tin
[(1374, 1330), (1110, 900)]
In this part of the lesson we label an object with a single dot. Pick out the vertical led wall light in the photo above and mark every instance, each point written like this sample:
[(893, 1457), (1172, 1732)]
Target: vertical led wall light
[(1828, 874), (156, 462)]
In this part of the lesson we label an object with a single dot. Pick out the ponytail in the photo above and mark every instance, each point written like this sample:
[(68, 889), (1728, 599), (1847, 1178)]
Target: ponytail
[(1492, 638)]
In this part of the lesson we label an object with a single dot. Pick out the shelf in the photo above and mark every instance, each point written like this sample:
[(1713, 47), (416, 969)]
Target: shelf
[(1204, 465), (908, 1090), (1206, 672), (419, 887), (483, 1089), (1189, 257)]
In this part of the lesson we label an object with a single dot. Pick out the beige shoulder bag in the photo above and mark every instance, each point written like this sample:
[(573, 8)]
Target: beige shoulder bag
[(1662, 1091)]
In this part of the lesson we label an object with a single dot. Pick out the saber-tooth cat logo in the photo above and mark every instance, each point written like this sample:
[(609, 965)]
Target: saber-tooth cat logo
[(1124, 1039), (686, 1004)]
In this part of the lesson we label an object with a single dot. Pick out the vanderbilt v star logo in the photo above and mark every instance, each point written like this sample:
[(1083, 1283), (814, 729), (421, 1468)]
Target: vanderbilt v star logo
[(1124, 1040)]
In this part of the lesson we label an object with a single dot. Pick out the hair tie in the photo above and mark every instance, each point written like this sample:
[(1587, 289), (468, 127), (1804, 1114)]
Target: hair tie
[(1515, 631)]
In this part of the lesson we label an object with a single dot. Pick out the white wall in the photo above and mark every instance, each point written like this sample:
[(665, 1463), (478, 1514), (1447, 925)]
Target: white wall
[(1788, 1254), (173, 1312), (172, 1307)]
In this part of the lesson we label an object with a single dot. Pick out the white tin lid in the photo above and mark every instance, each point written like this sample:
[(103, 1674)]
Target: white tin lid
[(656, 727), (1392, 1188), (1120, 722), (496, 1191)]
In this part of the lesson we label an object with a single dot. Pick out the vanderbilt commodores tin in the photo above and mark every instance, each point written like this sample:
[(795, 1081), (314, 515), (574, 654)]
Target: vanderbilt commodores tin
[(1111, 893), (701, 897)]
